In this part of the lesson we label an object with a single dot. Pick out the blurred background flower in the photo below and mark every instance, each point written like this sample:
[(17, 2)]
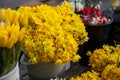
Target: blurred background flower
[(90, 11), (115, 4)]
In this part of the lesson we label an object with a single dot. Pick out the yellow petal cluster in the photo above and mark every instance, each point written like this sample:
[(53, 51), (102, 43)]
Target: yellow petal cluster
[(111, 72), (53, 33), (10, 29), (89, 75), (101, 57), (105, 63)]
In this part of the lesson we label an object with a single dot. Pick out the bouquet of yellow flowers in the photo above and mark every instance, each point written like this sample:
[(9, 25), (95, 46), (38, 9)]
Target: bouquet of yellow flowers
[(101, 57), (111, 72), (53, 33), (11, 33), (89, 75), (105, 63), (115, 5)]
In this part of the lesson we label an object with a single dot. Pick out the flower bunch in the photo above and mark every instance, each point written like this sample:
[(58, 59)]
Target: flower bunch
[(105, 63), (101, 57), (89, 75), (10, 30), (115, 5), (92, 14), (11, 34), (111, 72), (53, 33)]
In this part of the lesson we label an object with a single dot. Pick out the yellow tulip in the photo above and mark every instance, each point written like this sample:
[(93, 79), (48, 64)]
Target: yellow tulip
[(2, 14), (23, 19), (2, 26), (21, 34), (15, 31), (7, 26), (3, 40), (11, 41), (9, 17)]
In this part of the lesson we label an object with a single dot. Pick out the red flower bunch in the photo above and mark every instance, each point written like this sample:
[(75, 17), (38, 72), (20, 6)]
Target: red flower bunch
[(91, 11), (93, 15)]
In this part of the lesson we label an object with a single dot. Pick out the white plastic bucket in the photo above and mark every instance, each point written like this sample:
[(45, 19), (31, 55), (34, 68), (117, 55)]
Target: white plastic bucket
[(13, 75)]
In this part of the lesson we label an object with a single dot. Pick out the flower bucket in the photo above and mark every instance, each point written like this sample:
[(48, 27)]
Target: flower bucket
[(43, 71), (12, 75), (68, 65), (115, 29), (9, 58), (98, 35)]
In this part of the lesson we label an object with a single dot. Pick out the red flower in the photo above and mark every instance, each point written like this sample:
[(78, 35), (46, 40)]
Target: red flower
[(86, 11), (95, 11), (93, 15)]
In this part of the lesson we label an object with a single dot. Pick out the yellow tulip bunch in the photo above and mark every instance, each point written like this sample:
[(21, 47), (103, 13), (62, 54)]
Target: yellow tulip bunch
[(53, 33), (10, 30), (11, 35)]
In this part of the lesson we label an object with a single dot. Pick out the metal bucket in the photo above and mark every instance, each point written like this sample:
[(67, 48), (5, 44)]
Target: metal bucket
[(45, 71)]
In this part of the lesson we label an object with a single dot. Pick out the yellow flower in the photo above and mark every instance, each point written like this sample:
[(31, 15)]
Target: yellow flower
[(58, 62), (3, 40), (111, 72), (115, 4), (33, 60), (21, 34), (76, 58)]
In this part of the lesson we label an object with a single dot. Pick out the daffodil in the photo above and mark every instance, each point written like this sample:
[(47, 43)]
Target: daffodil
[(101, 57), (89, 75)]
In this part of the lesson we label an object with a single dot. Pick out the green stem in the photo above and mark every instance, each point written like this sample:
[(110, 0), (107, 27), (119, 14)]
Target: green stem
[(8, 58), (75, 6), (118, 63)]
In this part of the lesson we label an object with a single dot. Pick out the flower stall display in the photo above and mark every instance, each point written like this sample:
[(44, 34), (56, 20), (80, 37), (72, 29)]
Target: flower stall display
[(104, 63), (98, 25), (53, 34), (11, 34)]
